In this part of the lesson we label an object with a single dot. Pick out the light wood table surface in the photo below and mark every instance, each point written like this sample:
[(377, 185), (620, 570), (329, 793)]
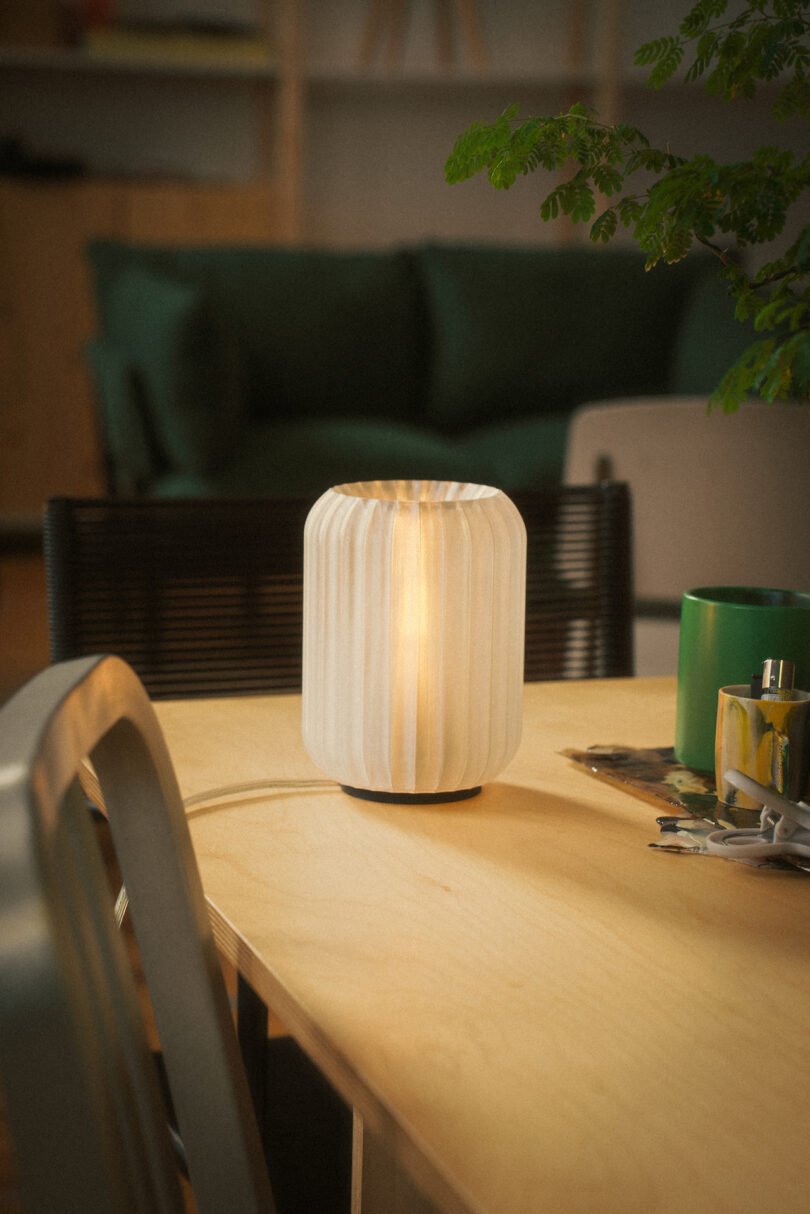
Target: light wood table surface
[(531, 1009)]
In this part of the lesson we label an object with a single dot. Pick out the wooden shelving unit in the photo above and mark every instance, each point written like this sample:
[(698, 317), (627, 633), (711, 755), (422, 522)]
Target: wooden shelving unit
[(463, 56)]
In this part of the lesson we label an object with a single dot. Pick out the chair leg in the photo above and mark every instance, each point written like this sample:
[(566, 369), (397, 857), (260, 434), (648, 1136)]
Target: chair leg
[(251, 1028), (306, 1128)]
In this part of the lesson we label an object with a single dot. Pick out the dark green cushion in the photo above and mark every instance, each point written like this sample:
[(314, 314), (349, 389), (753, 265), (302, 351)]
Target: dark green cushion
[(330, 334), (322, 333), (523, 331), (186, 364), (131, 463), (527, 453), (290, 458), (708, 339)]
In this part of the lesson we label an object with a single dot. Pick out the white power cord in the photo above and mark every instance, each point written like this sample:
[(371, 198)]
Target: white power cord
[(226, 792)]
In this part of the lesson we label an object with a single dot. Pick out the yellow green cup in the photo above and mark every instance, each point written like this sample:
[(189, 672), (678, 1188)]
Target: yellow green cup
[(726, 634), (768, 740)]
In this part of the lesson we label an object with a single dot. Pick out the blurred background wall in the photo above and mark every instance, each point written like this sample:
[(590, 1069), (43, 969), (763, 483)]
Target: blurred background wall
[(317, 121)]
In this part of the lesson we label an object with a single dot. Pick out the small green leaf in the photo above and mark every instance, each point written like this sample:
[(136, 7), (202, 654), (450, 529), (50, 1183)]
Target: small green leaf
[(604, 227), (667, 66)]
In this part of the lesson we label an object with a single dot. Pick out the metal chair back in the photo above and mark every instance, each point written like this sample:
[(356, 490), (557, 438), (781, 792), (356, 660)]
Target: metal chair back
[(80, 1088)]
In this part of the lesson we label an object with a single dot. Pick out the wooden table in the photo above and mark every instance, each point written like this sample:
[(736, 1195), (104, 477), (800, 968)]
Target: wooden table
[(530, 1008)]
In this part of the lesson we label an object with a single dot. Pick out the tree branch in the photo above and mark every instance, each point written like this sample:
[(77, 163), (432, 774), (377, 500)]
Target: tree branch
[(722, 254)]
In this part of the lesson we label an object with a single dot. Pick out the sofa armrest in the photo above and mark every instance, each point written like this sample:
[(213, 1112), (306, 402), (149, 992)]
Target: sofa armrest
[(129, 456)]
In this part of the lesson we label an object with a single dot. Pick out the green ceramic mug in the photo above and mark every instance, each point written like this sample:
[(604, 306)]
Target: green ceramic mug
[(726, 634)]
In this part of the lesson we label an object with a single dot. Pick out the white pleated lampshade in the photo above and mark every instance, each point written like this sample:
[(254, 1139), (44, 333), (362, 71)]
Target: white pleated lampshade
[(414, 620)]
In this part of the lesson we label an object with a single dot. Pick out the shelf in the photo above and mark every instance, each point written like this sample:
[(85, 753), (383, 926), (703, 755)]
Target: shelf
[(79, 61), (35, 59), (443, 78)]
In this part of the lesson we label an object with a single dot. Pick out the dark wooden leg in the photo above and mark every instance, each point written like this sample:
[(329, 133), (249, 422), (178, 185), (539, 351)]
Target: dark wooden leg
[(251, 1028)]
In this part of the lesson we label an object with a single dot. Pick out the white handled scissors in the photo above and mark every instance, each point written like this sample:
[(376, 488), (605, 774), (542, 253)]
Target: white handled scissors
[(784, 825)]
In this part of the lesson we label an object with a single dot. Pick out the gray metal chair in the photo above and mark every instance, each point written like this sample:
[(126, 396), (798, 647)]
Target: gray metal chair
[(80, 1089)]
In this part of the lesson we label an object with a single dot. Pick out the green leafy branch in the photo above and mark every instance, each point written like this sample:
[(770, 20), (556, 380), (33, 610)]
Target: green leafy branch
[(762, 43), (724, 207)]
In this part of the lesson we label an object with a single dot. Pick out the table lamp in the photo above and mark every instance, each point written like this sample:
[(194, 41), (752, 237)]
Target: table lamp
[(414, 621)]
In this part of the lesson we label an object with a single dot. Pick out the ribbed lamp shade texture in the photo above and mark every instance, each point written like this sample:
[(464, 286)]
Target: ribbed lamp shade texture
[(414, 622)]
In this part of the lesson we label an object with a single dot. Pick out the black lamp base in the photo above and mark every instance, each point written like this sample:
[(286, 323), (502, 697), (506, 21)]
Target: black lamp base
[(412, 798)]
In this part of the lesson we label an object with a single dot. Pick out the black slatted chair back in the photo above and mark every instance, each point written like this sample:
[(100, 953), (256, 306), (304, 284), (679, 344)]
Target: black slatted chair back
[(579, 582), (204, 597)]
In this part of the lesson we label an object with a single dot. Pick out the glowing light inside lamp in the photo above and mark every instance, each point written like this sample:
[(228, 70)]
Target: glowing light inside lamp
[(414, 604)]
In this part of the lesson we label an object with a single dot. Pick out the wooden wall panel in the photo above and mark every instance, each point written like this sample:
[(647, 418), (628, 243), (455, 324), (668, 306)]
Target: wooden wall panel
[(49, 440), (250, 214), (23, 626)]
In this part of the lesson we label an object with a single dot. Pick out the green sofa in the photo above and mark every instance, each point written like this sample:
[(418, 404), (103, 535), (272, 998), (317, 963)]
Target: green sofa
[(251, 371)]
